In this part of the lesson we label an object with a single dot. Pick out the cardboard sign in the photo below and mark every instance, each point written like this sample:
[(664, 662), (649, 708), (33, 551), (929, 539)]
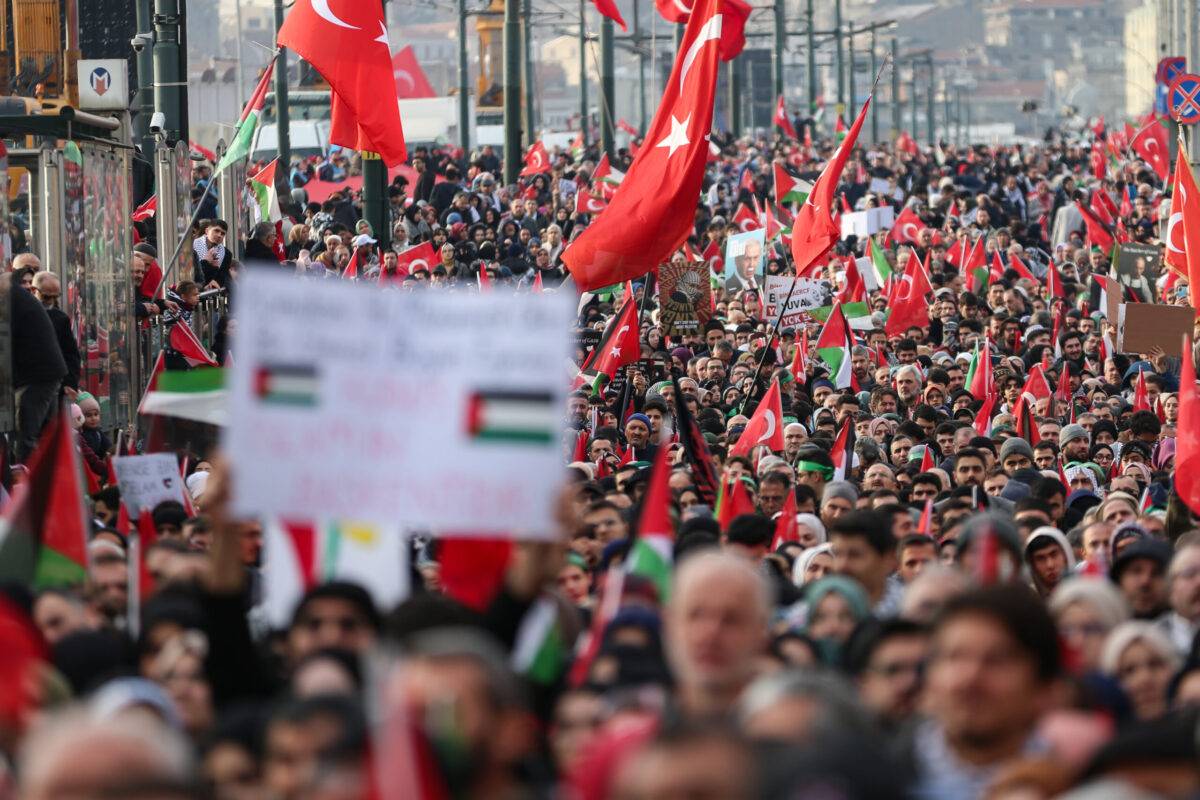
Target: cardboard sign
[(433, 410), (1144, 326), (684, 297), (809, 294), (146, 481)]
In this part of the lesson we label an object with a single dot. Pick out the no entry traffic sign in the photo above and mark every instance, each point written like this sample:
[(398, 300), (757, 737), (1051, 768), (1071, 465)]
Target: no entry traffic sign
[(1184, 98)]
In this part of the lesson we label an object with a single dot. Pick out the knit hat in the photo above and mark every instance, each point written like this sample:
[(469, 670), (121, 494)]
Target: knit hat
[(640, 417), (842, 489), (1015, 446), (1070, 433)]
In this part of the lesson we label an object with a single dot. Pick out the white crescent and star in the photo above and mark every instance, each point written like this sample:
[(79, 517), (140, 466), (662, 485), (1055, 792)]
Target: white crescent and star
[(769, 416), (403, 76), (710, 32), (1172, 221), (418, 263), (535, 158), (325, 13), (682, 8), (677, 138), (905, 228)]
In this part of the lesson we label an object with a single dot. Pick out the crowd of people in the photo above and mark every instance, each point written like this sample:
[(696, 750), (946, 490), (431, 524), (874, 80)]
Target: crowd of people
[(922, 593)]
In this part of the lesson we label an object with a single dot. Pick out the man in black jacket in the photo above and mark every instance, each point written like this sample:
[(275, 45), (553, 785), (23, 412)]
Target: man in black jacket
[(38, 368), (46, 287)]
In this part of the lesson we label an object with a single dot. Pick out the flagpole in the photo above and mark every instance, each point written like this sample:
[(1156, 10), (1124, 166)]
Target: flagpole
[(625, 390)]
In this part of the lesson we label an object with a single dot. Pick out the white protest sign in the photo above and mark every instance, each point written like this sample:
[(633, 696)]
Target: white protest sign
[(809, 294), (146, 481), (432, 410), (868, 222), (878, 186)]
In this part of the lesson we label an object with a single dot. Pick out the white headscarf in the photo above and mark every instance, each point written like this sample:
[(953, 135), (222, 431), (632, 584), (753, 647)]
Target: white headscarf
[(806, 558)]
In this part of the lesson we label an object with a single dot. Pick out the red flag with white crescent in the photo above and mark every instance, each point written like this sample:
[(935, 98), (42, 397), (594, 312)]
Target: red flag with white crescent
[(765, 428), (537, 160), (1152, 146)]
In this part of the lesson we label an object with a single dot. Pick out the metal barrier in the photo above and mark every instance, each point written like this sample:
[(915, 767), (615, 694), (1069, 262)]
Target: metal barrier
[(152, 334)]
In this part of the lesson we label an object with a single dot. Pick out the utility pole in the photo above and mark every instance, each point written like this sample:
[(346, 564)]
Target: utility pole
[(637, 36), (930, 102), (853, 64), (374, 188), (607, 88), (283, 117), (464, 90), (1191, 52), (895, 89), (241, 72), (841, 64), (874, 105), (916, 129), (583, 72), (780, 44), (144, 102), (811, 55), (527, 66), (512, 91), (170, 79), (735, 97)]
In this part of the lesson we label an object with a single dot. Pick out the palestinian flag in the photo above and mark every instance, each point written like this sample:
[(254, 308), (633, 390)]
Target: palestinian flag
[(840, 130), (834, 347), (695, 450), (243, 137), (44, 529), (287, 385), (843, 451), (514, 417), (299, 556), (980, 377), (195, 394), (881, 269), (925, 525), (262, 185), (650, 555), (183, 340), (789, 189), (540, 651)]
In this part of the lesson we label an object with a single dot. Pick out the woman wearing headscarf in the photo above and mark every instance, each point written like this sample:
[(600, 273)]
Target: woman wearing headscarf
[(813, 564), (836, 606), (1142, 660)]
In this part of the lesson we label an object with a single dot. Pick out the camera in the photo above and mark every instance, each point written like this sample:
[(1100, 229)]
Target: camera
[(158, 121), (141, 41)]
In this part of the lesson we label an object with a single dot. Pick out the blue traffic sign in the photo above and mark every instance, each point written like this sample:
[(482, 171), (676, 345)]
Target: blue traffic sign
[(1170, 68), (1184, 98)]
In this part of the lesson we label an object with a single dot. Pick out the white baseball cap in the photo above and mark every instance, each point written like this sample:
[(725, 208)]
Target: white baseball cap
[(362, 240)]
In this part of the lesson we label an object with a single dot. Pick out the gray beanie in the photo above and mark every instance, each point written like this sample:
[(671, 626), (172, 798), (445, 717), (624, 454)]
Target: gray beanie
[(1070, 433), (842, 489), (1015, 445)]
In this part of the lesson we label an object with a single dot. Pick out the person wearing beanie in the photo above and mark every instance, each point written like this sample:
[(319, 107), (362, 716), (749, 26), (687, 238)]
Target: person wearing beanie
[(1049, 557), (1140, 572), (1074, 442), (1015, 455), (637, 435), (838, 498)]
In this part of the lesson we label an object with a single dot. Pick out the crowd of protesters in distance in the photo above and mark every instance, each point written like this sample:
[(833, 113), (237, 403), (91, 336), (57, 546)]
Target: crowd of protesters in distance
[(978, 597)]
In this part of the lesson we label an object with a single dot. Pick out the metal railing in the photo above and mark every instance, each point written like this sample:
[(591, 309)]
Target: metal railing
[(152, 333)]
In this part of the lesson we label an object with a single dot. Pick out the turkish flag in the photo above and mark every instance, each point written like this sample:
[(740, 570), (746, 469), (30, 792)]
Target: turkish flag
[(350, 48), (909, 308), (621, 343), (905, 227), (782, 120), (1175, 256), (609, 9), (1187, 437), (745, 219), (536, 160), (421, 256), (655, 210), (733, 28), (815, 231), (587, 203), (765, 427), (1096, 231), (1151, 145), (1054, 285), (411, 83), (1141, 396), (1189, 207)]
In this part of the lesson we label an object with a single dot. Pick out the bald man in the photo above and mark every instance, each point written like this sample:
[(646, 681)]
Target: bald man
[(48, 290), (716, 628)]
